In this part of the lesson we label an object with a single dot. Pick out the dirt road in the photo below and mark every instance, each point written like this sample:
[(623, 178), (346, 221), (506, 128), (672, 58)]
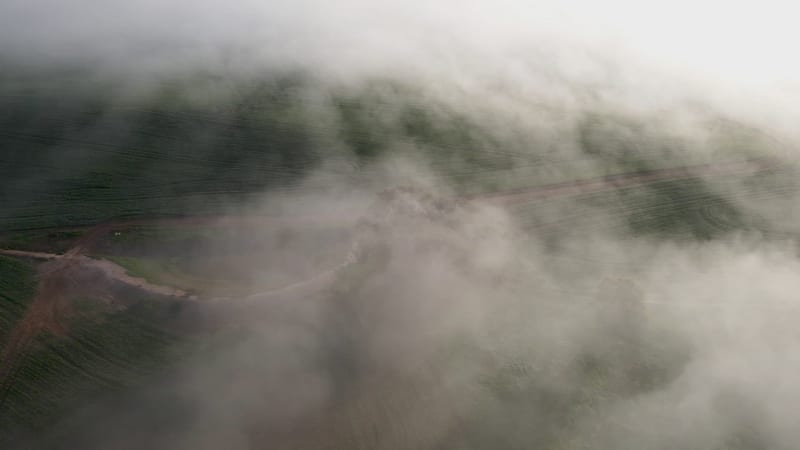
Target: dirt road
[(621, 181), (58, 274)]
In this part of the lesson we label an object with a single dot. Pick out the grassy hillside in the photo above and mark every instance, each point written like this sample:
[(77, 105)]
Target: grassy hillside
[(76, 151), (17, 288), (105, 352)]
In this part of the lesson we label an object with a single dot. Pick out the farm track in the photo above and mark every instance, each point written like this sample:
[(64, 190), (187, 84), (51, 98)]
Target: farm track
[(508, 197), (59, 274), (621, 181)]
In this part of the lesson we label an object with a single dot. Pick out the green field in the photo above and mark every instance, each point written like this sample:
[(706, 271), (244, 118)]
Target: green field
[(17, 288), (76, 153), (105, 352), (89, 156)]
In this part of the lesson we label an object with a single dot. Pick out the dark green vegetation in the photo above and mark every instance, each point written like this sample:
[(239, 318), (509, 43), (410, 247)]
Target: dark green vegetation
[(684, 209), (17, 288), (42, 240), (77, 152), (104, 353)]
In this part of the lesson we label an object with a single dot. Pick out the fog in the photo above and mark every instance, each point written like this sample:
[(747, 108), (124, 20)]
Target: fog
[(429, 313)]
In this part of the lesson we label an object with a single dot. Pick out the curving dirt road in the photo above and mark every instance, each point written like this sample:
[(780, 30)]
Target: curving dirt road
[(60, 274), (108, 268), (76, 255)]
